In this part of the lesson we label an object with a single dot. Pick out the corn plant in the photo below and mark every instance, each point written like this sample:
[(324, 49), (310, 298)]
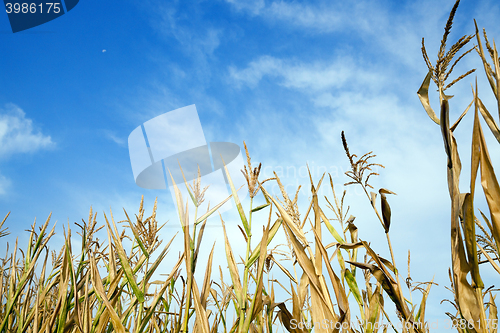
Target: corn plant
[(466, 244)]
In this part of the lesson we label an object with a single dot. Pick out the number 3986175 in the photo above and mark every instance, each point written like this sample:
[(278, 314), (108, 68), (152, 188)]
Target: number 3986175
[(25, 8)]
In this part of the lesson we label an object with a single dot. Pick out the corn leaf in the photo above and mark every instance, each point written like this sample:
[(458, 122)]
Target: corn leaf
[(423, 95)]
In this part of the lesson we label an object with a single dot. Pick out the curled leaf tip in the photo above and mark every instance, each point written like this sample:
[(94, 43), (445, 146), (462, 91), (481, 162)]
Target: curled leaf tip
[(385, 191)]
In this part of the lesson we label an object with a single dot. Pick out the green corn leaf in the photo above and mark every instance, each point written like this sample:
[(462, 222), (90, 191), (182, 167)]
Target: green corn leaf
[(125, 261)]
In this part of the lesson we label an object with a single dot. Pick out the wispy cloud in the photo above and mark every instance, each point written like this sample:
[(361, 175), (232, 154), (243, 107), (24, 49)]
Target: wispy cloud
[(17, 133), (112, 136), (252, 6), (308, 77), (185, 29), (187, 56), (323, 17), (4, 185), (384, 31)]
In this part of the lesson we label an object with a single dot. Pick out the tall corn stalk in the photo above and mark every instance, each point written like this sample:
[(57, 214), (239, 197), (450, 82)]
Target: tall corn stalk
[(469, 296)]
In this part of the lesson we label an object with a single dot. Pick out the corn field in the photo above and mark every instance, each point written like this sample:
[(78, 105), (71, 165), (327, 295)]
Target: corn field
[(112, 285)]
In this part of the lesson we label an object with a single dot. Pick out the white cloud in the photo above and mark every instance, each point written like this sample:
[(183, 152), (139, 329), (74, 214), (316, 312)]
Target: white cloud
[(198, 42), (192, 35), (4, 185), (111, 136), (252, 6), (323, 17), (256, 70), (313, 77), (17, 134), (384, 31)]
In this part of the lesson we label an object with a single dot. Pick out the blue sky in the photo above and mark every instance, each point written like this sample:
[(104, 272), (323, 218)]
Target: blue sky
[(286, 77)]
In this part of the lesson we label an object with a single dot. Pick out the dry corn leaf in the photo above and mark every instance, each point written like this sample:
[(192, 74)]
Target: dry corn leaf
[(288, 220), (488, 179), (466, 297), (157, 262), (321, 306), (420, 317), (491, 261), (330, 228), (64, 279), (385, 191), (470, 239), (187, 250), (302, 289), (489, 75), (284, 270), (257, 305), (213, 210), (496, 62), (286, 319), (193, 197), (379, 261), (272, 233), (256, 209), (493, 313), (201, 314), (179, 201), (206, 281), (112, 258), (318, 264), (4, 232), (233, 269), (159, 295), (349, 246), (337, 285), (454, 126), (198, 242), (136, 236), (490, 187), (492, 124), (373, 198), (307, 265), (387, 264), (376, 304), (243, 217), (296, 308), (423, 95), (470, 306), (445, 129), (99, 289), (353, 230), (388, 284)]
